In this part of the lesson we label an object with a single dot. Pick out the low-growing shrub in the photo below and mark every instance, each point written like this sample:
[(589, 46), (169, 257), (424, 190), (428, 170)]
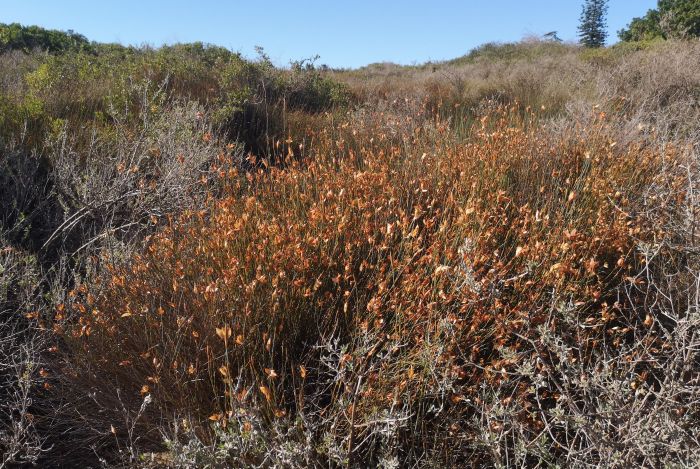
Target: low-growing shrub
[(458, 265), (209, 261), (20, 357)]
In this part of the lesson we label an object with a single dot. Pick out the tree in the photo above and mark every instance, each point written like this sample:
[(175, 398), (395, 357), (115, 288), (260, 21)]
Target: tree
[(592, 27), (642, 29), (679, 19)]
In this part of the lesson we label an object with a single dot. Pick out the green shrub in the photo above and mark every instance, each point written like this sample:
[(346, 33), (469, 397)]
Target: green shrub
[(510, 51), (28, 38)]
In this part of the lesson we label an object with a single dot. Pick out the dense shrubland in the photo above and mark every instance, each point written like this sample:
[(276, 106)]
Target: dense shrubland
[(206, 260)]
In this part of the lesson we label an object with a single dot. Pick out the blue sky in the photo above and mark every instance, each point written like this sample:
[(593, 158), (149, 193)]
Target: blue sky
[(343, 33)]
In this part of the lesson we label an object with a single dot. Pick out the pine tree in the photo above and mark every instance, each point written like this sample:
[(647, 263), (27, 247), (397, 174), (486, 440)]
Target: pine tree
[(592, 27)]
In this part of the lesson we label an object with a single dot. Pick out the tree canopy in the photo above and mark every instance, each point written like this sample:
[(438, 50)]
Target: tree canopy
[(672, 19)]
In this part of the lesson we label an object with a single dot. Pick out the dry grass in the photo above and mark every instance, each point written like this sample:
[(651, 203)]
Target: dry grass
[(653, 86), (490, 260), (461, 262)]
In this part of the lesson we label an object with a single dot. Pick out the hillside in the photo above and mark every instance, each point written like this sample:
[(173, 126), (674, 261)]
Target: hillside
[(210, 261)]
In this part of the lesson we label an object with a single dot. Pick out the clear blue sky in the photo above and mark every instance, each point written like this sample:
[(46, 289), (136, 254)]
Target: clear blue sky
[(343, 33)]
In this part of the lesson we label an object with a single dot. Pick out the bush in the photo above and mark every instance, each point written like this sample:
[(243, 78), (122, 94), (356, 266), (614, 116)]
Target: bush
[(395, 290), (258, 101), (28, 38), (251, 101), (493, 51), (20, 360)]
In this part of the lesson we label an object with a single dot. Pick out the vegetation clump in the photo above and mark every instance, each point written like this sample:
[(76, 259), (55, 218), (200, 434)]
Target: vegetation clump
[(679, 19), (28, 38), (210, 261)]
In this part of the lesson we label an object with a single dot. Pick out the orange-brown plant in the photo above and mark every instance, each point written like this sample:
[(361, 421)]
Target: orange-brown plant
[(459, 250)]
